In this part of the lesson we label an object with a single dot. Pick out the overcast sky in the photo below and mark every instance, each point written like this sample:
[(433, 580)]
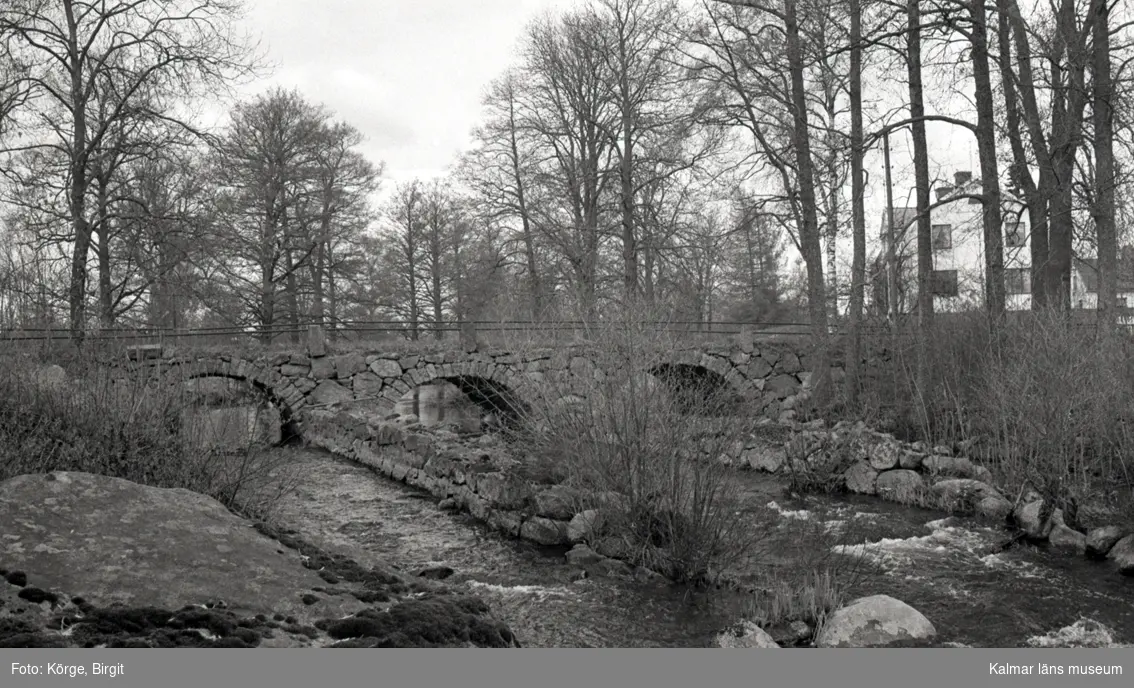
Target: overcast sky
[(410, 73)]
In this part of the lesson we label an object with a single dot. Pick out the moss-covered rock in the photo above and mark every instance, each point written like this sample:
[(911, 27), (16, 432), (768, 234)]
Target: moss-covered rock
[(441, 621)]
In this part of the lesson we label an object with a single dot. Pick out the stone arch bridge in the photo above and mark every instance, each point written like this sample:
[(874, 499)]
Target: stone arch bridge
[(769, 376)]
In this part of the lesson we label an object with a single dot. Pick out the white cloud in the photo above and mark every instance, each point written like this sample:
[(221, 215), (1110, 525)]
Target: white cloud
[(408, 73)]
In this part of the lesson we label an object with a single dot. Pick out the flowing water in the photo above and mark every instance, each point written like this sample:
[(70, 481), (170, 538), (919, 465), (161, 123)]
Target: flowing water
[(952, 570)]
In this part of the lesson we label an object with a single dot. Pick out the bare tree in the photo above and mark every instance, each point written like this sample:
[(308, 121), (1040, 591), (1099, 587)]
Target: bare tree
[(570, 118), (750, 65), (501, 170), (405, 214), (73, 48), (858, 208), (337, 212), (266, 166)]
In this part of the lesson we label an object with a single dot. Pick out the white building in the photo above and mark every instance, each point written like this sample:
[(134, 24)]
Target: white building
[(958, 255)]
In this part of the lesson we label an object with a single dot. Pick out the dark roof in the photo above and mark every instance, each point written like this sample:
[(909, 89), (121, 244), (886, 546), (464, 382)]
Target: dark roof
[(973, 186)]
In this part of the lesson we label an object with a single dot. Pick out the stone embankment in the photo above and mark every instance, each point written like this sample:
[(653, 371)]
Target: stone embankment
[(479, 475), (865, 461)]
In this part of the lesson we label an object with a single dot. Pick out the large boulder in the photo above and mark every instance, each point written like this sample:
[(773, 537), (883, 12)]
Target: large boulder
[(544, 531), (330, 392), (558, 502), (113, 541), (51, 377), (1122, 554), (875, 621), (861, 478), (1101, 540), (885, 455), (346, 365), (994, 508), (384, 367), (585, 525), (1064, 537), (1028, 519), (956, 466), (765, 458)]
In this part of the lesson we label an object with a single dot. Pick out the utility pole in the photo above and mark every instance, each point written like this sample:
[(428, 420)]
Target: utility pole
[(891, 251)]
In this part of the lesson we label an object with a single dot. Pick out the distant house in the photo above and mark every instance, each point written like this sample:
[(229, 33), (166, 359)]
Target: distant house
[(958, 256), (1085, 284)]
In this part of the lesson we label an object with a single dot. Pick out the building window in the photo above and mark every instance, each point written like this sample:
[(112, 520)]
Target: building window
[(1014, 234), (1018, 281), (943, 283), (942, 237), (1121, 302)]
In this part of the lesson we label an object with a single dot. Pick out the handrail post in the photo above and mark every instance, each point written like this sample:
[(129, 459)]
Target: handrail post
[(316, 341)]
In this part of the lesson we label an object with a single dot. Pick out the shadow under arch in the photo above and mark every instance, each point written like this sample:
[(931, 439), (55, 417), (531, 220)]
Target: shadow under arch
[(696, 389), (492, 396)]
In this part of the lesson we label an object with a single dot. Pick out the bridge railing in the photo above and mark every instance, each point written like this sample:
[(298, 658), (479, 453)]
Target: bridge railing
[(501, 333)]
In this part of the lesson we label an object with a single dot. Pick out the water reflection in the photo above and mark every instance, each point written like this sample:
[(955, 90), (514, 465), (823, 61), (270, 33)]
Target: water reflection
[(439, 402), (231, 428)]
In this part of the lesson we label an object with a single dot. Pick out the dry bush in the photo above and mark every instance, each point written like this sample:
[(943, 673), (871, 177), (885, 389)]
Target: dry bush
[(615, 429), (1059, 408), (1046, 403), (133, 429)]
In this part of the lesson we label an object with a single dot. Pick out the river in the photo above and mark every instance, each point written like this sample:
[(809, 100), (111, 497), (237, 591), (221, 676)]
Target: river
[(950, 569)]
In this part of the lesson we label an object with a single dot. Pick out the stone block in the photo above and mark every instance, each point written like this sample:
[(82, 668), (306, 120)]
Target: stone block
[(322, 368), (544, 531), (346, 365)]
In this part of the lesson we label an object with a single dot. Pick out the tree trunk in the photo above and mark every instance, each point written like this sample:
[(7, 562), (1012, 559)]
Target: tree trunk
[(893, 276), (1019, 172), (830, 102), (989, 174), (626, 172), (535, 289), (267, 275), (292, 297), (77, 293), (292, 286), (105, 297), (809, 229), (858, 209), (319, 260), (1103, 117), (921, 180), (332, 289), (1036, 196)]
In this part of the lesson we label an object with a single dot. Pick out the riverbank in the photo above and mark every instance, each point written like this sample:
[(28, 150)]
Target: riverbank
[(952, 570)]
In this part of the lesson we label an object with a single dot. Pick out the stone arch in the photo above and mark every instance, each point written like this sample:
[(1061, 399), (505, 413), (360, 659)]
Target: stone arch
[(494, 388), (694, 383), (273, 386)]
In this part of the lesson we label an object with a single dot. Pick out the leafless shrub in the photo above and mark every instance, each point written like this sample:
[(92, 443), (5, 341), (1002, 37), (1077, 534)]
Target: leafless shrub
[(132, 428), (615, 429), (1047, 404)]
